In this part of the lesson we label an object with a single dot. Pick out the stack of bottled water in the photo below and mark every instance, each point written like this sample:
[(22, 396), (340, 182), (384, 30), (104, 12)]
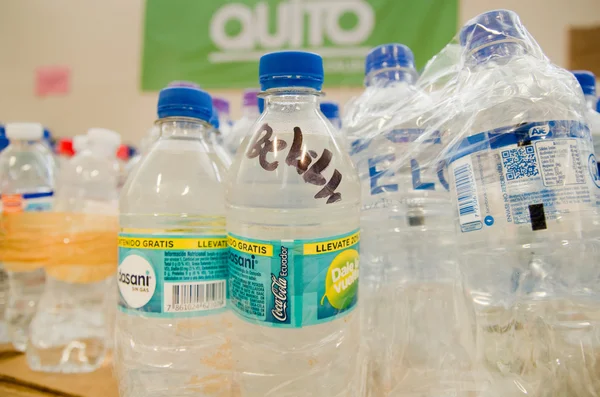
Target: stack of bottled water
[(415, 321), (26, 185), (293, 201), (172, 320), (242, 127), (523, 181), (69, 330)]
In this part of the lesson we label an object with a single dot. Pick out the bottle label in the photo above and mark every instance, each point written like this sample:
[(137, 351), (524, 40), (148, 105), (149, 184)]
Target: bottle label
[(166, 275), (293, 283), (28, 202), (526, 174), (383, 168)]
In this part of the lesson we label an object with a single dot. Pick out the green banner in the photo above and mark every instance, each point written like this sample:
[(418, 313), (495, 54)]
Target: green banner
[(217, 43)]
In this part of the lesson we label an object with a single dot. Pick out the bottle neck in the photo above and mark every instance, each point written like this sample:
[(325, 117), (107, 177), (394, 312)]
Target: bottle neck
[(183, 128), (498, 51), (291, 100), (23, 145), (390, 76), (591, 101), (104, 151), (250, 111)]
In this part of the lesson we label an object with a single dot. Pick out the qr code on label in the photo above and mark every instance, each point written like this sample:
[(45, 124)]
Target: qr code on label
[(520, 163)]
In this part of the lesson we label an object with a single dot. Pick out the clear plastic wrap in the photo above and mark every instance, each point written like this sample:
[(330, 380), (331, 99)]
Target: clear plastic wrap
[(416, 322), (518, 158)]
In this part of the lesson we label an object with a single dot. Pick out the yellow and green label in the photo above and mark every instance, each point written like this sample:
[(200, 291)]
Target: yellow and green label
[(293, 283)]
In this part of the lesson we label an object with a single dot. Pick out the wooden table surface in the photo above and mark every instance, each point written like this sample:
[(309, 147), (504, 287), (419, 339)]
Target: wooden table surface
[(17, 380)]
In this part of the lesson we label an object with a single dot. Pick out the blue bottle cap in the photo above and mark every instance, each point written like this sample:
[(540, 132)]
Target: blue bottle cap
[(291, 69), (598, 106), (184, 102), (2, 132), (587, 81), (261, 105), (490, 27), (331, 110), (389, 56)]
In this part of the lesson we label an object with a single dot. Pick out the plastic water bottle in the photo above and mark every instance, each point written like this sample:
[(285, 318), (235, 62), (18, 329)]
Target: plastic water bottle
[(27, 185), (172, 320), (3, 276), (223, 113), (331, 110), (241, 128), (69, 330), (587, 81), (64, 151), (414, 315), (523, 182), (293, 201), (80, 143), (218, 141), (145, 145)]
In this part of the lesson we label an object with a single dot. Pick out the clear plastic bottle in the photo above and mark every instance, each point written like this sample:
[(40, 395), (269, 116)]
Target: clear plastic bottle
[(587, 81), (3, 276), (217, 140), (331, 110), (80, 143), (27, 185), (172, 320), (410, 294), (523, 189), (69, 331), (241, 128), (293, 200), (145, 145), (223, 113), (64, 151)]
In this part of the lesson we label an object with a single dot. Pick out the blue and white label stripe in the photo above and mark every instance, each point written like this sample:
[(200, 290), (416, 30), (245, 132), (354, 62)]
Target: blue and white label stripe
[(29, 196), (518, 134)]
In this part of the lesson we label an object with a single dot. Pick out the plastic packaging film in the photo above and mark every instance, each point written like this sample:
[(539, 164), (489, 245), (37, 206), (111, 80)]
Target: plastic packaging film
[(72, 247), (504, 129)]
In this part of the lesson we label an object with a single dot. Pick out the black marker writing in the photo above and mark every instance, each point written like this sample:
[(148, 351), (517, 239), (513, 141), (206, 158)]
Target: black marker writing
[(296, 151), (329, 189), (265, 145), (299, 158)]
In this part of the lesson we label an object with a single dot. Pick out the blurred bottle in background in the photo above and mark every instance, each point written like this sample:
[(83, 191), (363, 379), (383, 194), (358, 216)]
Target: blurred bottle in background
[(70, 329), (64, 151), (331, 110), (241, 128), (587, 81), (3, 276), (223, 114), (26, 185), (218, 140)]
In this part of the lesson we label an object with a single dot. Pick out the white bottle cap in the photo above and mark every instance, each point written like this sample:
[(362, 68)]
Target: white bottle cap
[(24, 131), (104, 137), (80, 143)]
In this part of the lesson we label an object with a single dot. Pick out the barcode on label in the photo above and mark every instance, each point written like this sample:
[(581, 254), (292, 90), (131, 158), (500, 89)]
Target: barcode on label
[(466, 193), (206, 295)]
